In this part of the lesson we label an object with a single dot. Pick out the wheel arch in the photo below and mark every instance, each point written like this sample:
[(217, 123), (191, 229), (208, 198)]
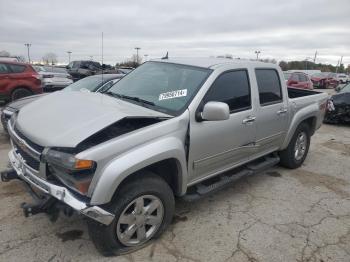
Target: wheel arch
[(165, 158)]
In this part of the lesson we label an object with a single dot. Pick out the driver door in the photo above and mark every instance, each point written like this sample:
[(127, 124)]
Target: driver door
[(216, 146)]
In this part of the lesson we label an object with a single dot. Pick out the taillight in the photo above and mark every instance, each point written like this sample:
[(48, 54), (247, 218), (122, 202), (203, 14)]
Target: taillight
[(48, 76), (36, 76)]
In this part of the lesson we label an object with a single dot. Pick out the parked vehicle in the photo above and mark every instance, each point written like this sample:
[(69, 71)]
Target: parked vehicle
[(53, 78), (343, 78), (299, 80), (171, 127), (338, 109), (286, 75), (96, 83), (81, 69), (324, 80), (18, 80)]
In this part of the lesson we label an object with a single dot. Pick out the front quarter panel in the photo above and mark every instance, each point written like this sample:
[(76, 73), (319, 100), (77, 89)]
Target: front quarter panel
[(130, 162)]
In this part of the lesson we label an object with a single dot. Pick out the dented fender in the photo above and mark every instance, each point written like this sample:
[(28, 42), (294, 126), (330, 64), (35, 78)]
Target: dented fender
[(128, 163)]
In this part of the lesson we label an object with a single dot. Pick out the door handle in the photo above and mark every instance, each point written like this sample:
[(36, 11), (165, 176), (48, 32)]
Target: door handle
[(282, 111), (248, 120)]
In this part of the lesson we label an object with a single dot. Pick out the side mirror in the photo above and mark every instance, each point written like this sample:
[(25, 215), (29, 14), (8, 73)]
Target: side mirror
[(215, 111)]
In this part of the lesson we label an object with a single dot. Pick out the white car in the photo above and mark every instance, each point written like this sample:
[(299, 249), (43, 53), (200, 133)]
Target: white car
[(343, 78), (53, 78)]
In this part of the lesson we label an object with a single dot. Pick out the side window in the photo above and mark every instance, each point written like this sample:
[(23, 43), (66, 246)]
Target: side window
[(232, 88), (17, 68), (3, 69), (269, 86)]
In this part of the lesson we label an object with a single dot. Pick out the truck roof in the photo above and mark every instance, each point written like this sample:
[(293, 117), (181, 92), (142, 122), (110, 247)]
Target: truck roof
[(209, 62)]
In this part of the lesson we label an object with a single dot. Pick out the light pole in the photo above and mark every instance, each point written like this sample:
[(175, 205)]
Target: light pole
[(69, 53), (257, 54), (146, 56), (137, 54), (28, 46)]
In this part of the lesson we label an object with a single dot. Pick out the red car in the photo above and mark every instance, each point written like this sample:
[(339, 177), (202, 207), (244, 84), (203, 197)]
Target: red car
[(18, 80), (299, 80), (324, 80)]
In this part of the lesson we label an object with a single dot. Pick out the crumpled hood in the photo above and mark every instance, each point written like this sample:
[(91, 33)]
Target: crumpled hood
[(64, 119)]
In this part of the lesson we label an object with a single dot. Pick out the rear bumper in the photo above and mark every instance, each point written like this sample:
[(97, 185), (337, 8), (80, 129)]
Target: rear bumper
[(31, 176)]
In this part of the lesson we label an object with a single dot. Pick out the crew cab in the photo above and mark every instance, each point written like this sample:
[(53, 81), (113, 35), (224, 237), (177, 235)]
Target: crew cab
[(172, 127)]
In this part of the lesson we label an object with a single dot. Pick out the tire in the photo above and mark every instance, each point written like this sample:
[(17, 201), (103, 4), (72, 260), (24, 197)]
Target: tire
[(20, 93), (106, 238), (289, 157)]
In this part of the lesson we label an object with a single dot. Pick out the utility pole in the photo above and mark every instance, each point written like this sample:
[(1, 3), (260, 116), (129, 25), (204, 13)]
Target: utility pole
[(69, 53), (257, 54), (28, 46), (315, 57), (137, 54), (338, 64)]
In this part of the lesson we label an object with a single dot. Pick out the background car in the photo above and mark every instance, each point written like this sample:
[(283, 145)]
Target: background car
[(324, 80), (18, 80), (338, 109), (343, 78), (53, 78), (286, 75), (96, 83), (81, 69), (299, 80)]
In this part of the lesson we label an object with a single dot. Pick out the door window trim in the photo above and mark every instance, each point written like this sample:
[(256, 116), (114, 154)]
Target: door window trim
[(280, 84), (201, 105)]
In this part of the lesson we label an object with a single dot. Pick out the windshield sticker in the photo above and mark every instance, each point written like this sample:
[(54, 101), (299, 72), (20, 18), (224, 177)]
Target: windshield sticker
[(173, 94)]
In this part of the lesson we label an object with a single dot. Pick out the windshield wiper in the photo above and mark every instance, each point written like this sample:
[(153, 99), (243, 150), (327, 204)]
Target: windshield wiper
[(133, 98)]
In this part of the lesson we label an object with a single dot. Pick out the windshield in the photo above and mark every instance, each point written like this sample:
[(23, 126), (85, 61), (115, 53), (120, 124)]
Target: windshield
[(163, 87), (87, 83), (345, 89)]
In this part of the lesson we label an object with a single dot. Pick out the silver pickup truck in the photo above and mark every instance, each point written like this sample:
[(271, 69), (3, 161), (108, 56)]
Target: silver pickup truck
[(172, 127)]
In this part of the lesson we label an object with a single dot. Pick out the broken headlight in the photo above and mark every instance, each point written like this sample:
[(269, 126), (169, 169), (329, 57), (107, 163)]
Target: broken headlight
[(71, 171), (67, 160)]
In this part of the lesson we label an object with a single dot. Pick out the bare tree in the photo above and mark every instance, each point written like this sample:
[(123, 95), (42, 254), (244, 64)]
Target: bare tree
[(4, 53), (136, 59), (50, 58)]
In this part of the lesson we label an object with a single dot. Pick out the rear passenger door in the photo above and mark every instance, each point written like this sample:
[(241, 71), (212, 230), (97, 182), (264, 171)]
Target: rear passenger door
[(271, 114)]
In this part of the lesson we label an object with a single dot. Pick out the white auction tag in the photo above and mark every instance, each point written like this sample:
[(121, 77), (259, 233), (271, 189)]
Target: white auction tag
[(173, 94)]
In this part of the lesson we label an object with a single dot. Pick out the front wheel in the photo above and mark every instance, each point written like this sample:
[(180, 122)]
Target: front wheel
[(143, 209), (294, 155)]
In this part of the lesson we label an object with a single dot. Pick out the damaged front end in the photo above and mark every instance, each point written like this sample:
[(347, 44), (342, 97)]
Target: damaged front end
[(58, 180), (338, 109)]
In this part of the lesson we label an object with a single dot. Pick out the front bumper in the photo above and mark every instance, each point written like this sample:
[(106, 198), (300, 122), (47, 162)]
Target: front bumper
[(31, 176)]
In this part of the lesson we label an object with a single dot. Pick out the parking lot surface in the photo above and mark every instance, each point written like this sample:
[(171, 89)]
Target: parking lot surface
[(280, 215)]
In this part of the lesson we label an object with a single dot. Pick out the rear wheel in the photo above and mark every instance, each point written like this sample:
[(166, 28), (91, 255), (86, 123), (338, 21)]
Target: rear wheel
[(294, 155), (20, 93), (141, 214)]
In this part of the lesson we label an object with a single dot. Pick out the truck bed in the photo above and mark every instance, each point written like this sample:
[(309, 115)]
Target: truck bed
[(297, 92)]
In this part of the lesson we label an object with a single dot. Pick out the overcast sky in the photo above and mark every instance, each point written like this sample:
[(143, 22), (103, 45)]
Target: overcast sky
[(284, 29)]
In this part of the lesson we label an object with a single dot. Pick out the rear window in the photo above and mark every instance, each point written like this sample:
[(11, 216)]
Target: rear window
[(17, 68), (269, 86)]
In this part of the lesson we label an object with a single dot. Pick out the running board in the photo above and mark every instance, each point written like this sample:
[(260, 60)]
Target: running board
[(221, 181)]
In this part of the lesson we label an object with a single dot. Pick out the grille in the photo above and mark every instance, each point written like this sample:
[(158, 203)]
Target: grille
[(32, 144), (30, 161)]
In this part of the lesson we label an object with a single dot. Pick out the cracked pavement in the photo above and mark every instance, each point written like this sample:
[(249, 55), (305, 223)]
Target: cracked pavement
[(280, 215)]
